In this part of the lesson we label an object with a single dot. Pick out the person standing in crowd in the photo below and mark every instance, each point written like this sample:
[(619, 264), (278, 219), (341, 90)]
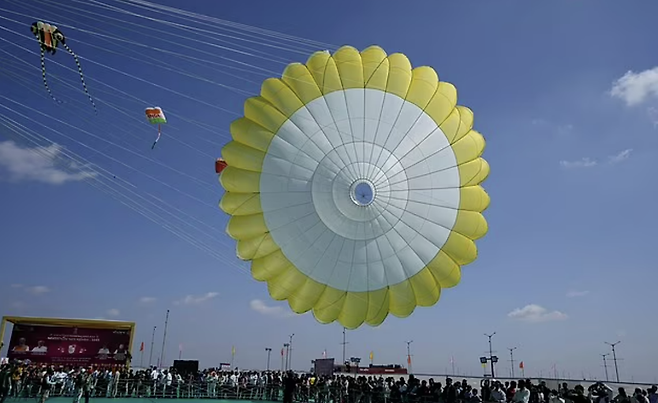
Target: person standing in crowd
[(622, 397), (653, 394), (497, 394), (5, 382), (289, 384), (554, 397), (639, 396), (522, 394), (449, 392), (47, 383)]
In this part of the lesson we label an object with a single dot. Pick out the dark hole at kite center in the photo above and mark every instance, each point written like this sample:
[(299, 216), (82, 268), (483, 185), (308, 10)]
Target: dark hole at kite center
[(362, 193)]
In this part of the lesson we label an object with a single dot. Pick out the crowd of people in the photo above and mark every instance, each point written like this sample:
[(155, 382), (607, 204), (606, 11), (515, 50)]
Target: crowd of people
[(20, 380)]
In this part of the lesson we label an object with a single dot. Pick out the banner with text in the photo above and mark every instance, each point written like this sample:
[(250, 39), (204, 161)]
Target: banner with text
[(69, 345)]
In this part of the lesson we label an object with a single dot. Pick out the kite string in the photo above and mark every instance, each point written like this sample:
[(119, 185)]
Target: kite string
[(167, 225)]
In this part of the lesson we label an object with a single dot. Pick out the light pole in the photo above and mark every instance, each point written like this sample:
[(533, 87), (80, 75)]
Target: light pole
[(511, 358), (605, 366), (269, 352), (290, 352), (409, 356), (614, 357), (151, 349), (287, 347), (283, 355), (491, 354), (344, 343)]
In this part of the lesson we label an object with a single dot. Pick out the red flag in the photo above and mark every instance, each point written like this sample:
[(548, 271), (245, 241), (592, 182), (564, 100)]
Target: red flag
[(521, 365), (282, 353), (409, 359), (141, 347)]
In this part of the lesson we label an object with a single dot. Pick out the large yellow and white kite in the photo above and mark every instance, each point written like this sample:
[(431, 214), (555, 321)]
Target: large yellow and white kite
[(353, 185)]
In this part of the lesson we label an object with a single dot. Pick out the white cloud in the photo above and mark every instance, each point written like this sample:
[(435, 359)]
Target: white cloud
[(564, 129), (40, 164), (38, 289), (196, 299), (621, 156), (576, 294), (587, 162), (113, 312), (635, 88), (147, 300), (534, 314), (264, 309), (584, 162)]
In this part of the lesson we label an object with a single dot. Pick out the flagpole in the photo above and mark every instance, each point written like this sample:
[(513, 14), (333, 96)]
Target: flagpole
[(180, 351), (151, 350), (141, 356)]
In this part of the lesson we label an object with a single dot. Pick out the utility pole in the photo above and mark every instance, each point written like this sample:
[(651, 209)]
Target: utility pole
[(344, 343), (164, 339), (614, 357), (409, 356), (283, 351), (491, 360), (605, 366), (269, 352), (511, 358), (151, 349), (290, 352)]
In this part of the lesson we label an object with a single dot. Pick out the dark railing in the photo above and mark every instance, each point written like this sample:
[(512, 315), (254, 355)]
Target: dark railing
[(129, 388)]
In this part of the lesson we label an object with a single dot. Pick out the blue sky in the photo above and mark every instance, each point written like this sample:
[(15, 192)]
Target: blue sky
[(571, 141)]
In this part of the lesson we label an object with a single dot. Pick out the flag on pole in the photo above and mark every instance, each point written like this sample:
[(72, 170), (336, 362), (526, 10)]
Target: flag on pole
[(141, 347), (409, 359), (233, 350), (282, 353), (521, 365), (372, 355), (324, 353)]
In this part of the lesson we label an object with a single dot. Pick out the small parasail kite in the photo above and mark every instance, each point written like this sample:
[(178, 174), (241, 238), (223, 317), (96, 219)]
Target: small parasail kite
[(156, 116), (220, 164), (353, 185), (49, 37)]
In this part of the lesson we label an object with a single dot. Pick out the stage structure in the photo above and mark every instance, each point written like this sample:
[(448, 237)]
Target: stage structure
[(69, 341)]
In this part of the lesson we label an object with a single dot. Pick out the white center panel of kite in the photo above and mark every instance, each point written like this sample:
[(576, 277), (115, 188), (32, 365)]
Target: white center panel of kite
[(360, 189)]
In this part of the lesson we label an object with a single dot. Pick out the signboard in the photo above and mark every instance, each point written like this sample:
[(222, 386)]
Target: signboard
[(324, 366), (69, 345)]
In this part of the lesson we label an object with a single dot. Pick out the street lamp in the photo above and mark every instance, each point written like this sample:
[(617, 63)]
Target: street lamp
[(409, 355), (290, 352), (511, 358), (605, 366), (492, 359), (614, 357), (269, 352), (286, 347)]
